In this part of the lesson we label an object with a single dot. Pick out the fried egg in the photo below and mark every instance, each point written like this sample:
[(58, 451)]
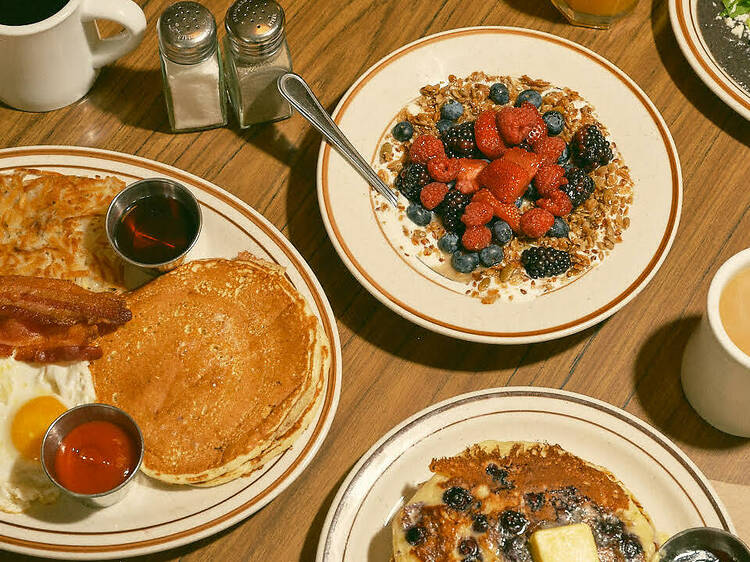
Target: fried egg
[(31, 397)]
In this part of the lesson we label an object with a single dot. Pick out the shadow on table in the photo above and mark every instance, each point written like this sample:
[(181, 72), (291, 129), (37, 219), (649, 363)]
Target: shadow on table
[(365, 315), (313, 536), (657, 379), (540, 9), (688, 82), (134, 96)]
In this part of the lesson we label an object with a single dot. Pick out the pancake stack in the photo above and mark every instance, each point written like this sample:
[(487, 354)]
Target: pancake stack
[(485, 504), (222, 367)]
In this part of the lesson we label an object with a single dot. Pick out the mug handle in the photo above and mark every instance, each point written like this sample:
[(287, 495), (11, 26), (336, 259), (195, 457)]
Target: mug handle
[(125, 12)]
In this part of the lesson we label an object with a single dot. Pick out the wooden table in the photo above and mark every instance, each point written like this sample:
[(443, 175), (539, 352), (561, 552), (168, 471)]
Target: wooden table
[(393, 368)]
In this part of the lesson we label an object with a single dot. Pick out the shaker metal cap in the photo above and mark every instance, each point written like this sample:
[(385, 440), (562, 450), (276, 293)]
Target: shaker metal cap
[(255, 26), (187, 33)]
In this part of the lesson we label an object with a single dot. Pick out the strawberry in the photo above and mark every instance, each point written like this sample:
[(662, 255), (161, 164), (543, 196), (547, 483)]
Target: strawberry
[(527, 160), (433, 194), (549, 149), (425, 148), (556, 202), (536, 222), (515, 123), (505, 179), (476, 238), (506, 211), (487, 138), (466, 181), (443, 169), (549, 178), (477, 214)]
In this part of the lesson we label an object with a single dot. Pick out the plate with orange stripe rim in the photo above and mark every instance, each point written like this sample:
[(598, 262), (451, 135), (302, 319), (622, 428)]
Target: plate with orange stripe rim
[(684, 17), (636, 126), (155, 517), (671, 488)]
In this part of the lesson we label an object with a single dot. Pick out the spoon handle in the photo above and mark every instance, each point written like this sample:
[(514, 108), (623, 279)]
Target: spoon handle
[(298, 93)]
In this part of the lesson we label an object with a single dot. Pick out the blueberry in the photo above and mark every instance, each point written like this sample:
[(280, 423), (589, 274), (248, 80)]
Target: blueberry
[(518, 202), (449, 242), (500, 476), (480, 524), (555, 122), (565, 156), (531, 96), (456, 497), (468, 547), (491, 255), (403, 131), (534, 500), (516, 550), (415, 535), (499, 93), (465, 262), (513, 522), (502, 232), (451, 110), (630, 547), (418, 214), (560, 229), (443, 125)]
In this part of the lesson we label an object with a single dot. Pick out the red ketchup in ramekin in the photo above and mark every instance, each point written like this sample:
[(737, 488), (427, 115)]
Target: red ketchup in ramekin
[(95, 457)]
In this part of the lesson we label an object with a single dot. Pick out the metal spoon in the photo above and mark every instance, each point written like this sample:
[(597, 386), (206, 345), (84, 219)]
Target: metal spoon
[(298, 93)]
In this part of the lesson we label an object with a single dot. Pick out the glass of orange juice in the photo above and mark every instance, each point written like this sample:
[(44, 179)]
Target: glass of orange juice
[(600, 14)]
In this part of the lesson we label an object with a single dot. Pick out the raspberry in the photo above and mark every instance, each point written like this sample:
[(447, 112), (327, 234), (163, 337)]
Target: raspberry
[(451, 210), (536, 222), (477, 214), (433, 194), (538, 130), (459, 139), (425, 148), (556, 202), (544, 262), (506, 180), (476, 238), (487, 138), (515, 123), (443, 169), (590, 148), (549, 178), (466, 181), (549, 149), (527, 160), (506, 211)]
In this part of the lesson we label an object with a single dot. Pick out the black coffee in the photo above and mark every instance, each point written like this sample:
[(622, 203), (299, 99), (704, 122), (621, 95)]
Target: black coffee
[(24, 12)]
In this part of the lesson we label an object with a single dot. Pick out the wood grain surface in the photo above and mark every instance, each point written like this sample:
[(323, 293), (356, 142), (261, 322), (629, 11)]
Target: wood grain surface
[(393, 368)]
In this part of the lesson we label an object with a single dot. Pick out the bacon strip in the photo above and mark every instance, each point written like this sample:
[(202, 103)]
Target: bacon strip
[(49, 320)]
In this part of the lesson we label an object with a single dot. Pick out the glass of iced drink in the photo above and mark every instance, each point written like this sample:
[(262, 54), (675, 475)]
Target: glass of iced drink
[(600, 14)]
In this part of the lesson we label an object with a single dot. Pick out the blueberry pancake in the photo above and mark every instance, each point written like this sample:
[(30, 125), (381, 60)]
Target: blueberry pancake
[(498, 501)]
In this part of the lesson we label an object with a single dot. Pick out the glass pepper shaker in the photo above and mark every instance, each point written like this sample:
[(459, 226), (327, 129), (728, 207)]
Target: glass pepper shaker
[(191, 68), (256, 55)]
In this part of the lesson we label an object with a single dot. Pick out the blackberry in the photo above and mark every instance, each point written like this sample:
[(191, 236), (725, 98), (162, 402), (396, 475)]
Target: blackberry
[(416, 535), (513, 522), (459, 140), (590, 148), (457, 498), (451, 209), (412, 178), (580, 186), (541, 261)]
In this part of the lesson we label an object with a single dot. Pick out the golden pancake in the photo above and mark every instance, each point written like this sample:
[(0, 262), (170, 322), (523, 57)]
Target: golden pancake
[(53, 226), (221, 367), (490, 499)]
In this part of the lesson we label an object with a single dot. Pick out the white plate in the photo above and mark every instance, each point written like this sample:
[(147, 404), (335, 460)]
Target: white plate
[(155, 517), (684, 17), (668, 484), (636, 126)]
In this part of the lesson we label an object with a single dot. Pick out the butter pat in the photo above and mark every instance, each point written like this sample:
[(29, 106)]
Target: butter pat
[(569, 543)]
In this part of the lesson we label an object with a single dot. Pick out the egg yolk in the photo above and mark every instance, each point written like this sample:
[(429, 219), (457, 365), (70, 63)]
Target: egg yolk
[(31, 422)]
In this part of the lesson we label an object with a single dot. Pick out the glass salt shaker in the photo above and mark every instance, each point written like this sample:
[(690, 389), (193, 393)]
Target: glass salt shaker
[(256, 54), (191, 68)]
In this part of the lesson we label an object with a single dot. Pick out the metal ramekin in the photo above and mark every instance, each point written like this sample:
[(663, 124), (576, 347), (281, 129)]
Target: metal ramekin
[(703, 538), (147, 188), (72, 419)]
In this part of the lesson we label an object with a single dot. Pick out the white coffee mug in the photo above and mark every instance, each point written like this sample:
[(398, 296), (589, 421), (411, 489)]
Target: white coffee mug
[(54, 62), (715, 372)]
